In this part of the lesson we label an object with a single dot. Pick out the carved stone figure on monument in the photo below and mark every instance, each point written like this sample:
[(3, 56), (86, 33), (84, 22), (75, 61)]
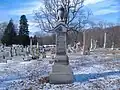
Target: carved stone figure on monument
[(61, 13)]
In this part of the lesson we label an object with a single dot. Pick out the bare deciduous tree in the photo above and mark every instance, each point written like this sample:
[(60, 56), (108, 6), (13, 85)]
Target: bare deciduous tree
[(46, 17)]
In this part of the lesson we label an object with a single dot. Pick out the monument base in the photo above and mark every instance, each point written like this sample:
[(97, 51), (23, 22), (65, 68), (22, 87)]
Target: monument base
[(61, 74), (62, 59)]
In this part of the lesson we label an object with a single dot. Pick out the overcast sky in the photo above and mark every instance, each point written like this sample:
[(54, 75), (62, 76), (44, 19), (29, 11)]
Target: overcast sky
[(107, 10)]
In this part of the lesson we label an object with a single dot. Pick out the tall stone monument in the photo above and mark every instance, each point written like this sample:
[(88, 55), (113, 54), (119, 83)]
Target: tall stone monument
[(61, 70)]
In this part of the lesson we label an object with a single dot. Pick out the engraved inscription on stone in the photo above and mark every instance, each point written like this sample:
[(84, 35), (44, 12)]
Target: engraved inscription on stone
[(61, 43)]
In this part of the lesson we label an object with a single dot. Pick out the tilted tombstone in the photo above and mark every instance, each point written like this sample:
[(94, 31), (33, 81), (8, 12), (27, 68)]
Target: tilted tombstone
[(36, 51), (43, 52), (18, 50), (78, 46), (2, 58), (14, 51), (69, 49), (95, 44), (28, 49), (11, 54), (61, 71)]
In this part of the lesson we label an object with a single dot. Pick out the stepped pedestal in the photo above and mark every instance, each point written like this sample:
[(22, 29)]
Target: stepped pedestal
[(61, 70)]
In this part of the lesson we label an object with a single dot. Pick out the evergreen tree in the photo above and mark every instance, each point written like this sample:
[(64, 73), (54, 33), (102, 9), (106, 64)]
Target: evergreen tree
[(23, 31), (9, 36)]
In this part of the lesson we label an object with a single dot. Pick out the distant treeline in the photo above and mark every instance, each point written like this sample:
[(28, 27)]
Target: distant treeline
[(112, 33)]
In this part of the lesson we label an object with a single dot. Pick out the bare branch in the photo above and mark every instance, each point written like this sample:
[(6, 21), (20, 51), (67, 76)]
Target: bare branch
[(47, 16)]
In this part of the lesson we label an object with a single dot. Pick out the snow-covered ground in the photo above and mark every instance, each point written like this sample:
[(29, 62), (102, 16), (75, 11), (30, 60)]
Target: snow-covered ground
[(99, 71)]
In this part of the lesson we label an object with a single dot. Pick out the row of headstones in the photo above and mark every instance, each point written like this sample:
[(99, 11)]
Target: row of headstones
[(75, 48), (13, 51), (33, 51), (85, 49), (29, 53), (78, 47), (7, 53), (93, 43)]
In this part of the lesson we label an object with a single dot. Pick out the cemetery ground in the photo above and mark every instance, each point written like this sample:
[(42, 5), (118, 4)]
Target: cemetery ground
[(98, 71)]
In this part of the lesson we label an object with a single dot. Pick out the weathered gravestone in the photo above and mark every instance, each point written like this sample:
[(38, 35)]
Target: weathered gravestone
[(61, 70)]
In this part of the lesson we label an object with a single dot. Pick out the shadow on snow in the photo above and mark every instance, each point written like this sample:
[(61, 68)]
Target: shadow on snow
[(86, 77), (77, 78)]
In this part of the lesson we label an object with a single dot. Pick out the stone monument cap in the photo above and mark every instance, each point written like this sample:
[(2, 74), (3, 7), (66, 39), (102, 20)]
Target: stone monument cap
[(60, 27)]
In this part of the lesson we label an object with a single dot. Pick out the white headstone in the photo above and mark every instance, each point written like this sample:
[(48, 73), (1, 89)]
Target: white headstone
[(105, 36)]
